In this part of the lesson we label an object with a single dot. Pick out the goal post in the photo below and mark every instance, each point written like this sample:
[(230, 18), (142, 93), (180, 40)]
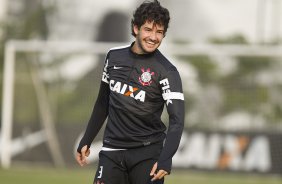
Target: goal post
[(7, 104), (14, 46)]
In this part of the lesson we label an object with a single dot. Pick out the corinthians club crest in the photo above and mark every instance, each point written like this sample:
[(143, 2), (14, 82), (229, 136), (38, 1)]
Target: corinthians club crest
[(146, 78)]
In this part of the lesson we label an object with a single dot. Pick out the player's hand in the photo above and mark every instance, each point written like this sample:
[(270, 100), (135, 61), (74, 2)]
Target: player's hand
[(159, 175), (81, 157)]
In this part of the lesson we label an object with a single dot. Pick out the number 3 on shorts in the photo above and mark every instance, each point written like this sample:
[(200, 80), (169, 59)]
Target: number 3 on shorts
[(100, 172)]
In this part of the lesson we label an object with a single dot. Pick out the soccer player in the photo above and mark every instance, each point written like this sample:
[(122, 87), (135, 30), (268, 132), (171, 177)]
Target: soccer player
[(137, 82)]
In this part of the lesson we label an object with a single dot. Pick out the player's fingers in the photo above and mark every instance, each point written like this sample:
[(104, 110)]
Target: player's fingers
[(79, 159), (154, 169), (84, 153), (156, 176), (159, 175), (87, 153), (163, 175)]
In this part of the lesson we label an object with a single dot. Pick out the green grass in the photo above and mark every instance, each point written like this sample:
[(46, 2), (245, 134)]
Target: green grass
[(83, 176), (189, 177)]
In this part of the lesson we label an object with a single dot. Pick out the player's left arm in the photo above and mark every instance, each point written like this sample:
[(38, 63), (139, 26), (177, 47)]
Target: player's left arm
[(174, 98)]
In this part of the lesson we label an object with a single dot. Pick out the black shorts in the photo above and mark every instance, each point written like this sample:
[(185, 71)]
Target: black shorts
[(132, 166)]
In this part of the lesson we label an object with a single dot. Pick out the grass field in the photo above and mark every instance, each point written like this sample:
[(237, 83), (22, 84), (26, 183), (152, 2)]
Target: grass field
[(84, 176)]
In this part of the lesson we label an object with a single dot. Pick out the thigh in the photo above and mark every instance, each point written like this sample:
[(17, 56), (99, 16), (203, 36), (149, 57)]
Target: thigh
[(109, 170), (140, 173), (141, 162)]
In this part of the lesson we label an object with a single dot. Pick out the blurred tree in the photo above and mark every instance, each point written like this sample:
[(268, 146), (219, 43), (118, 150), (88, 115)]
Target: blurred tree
[(240, 89), (232, 39)]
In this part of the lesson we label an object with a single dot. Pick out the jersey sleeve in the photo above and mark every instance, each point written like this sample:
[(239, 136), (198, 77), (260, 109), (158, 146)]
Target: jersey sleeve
[(173, 95), (99, 112)]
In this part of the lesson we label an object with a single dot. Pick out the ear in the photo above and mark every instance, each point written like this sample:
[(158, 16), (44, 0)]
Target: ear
[(135, 29)]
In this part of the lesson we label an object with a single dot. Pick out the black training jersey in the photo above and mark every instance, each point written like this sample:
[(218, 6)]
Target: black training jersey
[(133, 92)]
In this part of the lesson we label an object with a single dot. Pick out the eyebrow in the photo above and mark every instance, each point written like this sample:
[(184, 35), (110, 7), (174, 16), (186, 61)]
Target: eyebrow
[(147, 27)]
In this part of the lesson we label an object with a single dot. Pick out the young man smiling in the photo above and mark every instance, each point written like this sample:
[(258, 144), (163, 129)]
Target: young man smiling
[(148, 37), (137, 82)]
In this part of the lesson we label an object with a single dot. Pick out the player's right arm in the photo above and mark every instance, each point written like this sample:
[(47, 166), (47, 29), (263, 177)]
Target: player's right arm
[(97, 119)]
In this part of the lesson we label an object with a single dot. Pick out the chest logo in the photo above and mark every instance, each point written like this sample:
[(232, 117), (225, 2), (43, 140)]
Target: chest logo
[(146, 78), (127, 90)]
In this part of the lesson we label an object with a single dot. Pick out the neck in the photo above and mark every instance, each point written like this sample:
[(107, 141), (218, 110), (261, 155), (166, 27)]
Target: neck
[(136, 49)]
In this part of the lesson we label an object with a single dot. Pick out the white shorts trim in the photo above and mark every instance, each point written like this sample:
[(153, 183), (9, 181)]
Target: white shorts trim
[(111, 149)]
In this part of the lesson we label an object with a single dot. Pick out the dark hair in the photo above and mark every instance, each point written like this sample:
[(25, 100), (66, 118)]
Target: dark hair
[(150, 11)]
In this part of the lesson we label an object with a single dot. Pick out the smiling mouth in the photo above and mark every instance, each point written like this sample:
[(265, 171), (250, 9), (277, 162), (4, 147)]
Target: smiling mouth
[(151, 43)]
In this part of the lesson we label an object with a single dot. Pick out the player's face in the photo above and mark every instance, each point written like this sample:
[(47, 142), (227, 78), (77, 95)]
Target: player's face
[(148, 37)]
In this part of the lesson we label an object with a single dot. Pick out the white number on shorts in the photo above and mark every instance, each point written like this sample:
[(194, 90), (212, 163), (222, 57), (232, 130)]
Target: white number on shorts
[(100, 172)]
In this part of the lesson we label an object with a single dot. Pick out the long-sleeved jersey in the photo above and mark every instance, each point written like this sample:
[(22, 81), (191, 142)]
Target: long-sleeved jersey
[(133, 92)]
